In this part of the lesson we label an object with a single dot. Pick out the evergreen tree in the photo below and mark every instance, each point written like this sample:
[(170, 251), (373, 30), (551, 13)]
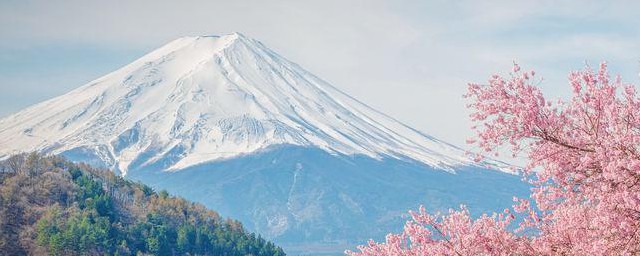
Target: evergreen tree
[(79, 210)]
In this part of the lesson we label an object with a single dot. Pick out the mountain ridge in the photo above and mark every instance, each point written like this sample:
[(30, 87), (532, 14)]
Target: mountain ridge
[(228, 95)]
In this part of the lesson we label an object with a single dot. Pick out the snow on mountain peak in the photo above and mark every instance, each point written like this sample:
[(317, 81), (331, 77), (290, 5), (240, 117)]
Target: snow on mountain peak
[(206, 98)]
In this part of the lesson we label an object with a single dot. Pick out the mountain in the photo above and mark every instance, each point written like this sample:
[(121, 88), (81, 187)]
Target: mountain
[(199, 99), (227, 122), (51, 206)]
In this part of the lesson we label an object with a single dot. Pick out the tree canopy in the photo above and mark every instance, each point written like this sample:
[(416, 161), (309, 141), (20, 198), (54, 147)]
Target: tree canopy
[(51, 206), (584, 163)]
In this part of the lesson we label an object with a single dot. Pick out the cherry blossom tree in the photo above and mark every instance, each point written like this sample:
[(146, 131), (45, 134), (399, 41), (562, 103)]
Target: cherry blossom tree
[(583, 161)]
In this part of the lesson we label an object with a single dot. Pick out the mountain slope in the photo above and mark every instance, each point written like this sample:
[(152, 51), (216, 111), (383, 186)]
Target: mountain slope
[(199, 99), (51, 206), (312, 202), (224, 121)]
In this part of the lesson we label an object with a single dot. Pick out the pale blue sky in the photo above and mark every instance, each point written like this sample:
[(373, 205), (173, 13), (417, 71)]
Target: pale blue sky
[(409, 59)]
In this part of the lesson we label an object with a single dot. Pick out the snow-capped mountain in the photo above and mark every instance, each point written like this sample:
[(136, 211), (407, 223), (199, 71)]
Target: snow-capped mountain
[(214, 118), (199, 99)]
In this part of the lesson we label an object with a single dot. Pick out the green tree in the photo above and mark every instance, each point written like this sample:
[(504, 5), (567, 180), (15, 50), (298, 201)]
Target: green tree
[(78, 210), (186, 238)]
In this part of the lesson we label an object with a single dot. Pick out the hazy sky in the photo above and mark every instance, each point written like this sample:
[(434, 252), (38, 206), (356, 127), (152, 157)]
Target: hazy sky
[(409, 59)]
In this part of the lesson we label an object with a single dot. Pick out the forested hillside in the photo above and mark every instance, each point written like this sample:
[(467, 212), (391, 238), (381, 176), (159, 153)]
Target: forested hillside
[(51, 206)]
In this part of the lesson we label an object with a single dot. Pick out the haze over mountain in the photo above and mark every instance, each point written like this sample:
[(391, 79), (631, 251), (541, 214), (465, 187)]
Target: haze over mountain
[(227, 122)]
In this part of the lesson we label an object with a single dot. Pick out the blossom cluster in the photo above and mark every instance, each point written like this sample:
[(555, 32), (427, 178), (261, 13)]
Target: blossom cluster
[(583, 161)]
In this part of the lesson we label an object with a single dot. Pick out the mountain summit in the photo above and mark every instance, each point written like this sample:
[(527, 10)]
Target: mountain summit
[(205, 98), (224, 121)]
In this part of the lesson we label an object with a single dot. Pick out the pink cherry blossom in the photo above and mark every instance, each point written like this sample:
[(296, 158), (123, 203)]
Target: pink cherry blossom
[(583, 160)]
